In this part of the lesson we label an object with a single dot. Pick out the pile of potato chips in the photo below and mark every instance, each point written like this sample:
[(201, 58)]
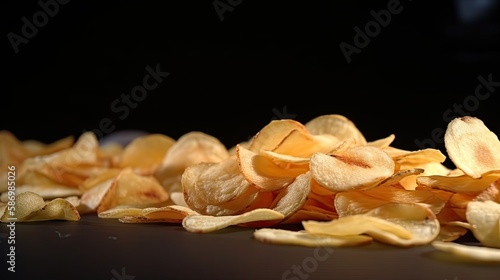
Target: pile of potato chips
[(323, 175)]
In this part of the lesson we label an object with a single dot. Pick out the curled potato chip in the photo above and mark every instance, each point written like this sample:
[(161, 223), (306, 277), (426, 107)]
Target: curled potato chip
[(131, 189), (208, 186), (205, 223), (191, 148), (271, 135), (484, 218), (336, 125), (304, 238), (399, 224), (356, 225), (55, 209), (359, 202), (30, 207), (300, 143), (164, 214), (294, 196), (471, 146), (358, 167), (383, 142), (470, 252), (461, 183), (26, 204), (145, 153), (415, 217), (265, 173)]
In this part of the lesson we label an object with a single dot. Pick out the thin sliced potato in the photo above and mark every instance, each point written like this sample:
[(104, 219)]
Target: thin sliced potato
[(205, 223), (303, 238)]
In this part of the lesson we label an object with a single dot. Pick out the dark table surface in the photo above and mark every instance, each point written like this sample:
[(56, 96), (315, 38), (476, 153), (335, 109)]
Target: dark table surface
[(96, 248)]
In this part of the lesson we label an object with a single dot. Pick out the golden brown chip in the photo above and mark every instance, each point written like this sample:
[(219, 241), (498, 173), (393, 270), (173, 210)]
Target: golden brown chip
[(24, 205), (131, 189), (358, 167), (271, 135), (263, 172), (472, 146), (146, 153), (191, 148), (205, 223), (484, 218), (468, 252), (304, 238), (56, 209), (336, 125), (208, 185)]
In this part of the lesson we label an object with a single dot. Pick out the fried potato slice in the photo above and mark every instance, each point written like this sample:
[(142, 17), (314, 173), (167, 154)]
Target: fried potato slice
[(208, 185), (471, 146), (132, 189), (265, 173), (484, 218), (164, 214), (271, 135), (398, 224), (205, 223), (336, 125), (383, 142), (469, 252), (356, 225), (55, 209), (359, 202), (26, 204), (300, 143), (191, 148), (462, 183), (304, 238), (145, 153), (358, 167), (294, 196)]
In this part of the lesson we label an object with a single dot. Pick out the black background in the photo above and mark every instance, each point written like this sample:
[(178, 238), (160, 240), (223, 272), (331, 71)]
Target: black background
[(231, 77)]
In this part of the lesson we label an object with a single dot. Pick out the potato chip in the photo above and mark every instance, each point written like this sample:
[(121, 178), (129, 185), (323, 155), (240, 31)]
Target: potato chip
[(145, 153), (271, 135), (383, 142), (336, 125), (484, 218), (294, 196), (304, 238), (358, 167), (26, 204), (129, 188), (56, 209), (205, 223), (300, 143), (462, 183), (191, 148), (359, 202), (263, 172), (208, 185), (356, 225), (468, 252), (164, 214), (471, 146), (399, 224)]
